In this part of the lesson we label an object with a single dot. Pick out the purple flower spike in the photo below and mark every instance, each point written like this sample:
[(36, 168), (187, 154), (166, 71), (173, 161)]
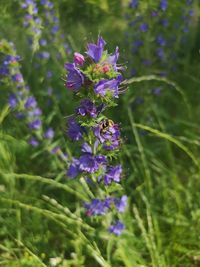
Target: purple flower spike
[(75, 78), (113, 174), (117, 228), (95, 51), (75, 131)]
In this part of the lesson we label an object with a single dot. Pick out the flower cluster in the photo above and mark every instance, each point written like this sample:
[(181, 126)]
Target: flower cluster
[(96, 78), (21, 100), (51, 37), (32, 22)]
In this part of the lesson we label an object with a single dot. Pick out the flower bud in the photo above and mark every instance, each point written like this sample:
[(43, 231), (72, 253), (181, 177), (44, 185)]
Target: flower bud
[(78, 59)]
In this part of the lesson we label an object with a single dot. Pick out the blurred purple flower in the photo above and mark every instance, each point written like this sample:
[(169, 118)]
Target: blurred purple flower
[(75, 131), (73, 169), (163, 5), (33, 142), (30, 102), (144, 27), (35, 125), (113, 174), (12, 100), (117, 228), (49, 134), (121, 203)]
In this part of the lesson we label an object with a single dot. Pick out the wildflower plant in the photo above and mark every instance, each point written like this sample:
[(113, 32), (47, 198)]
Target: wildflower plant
[(22, 102), (32, 22), (96, 80)]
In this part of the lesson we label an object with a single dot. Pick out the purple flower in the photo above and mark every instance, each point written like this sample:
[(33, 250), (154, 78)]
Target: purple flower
[(79, 59), (75, 78), (43, 42), (12, 100), (157, 91), (75, 131), (87, 107), (30, 102), (160, 40), (44, 55), (108, 86), (144, 27), (113, 174), (49, 134), (17, 78), (134, 3), (138, 43), (33, 142), (35, 125), (49, 74), (112, 59), (163, 5), (88, 163), (98, 207), (4, 70), (9, 59), (154, 13), (117, 228), (101, 159), (55, 29), (35, 112), (95, 51), (86, 148), (121, 203), (73, 170), (108, 134)]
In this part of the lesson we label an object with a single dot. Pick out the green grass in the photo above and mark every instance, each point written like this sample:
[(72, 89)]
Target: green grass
[(41, 210)]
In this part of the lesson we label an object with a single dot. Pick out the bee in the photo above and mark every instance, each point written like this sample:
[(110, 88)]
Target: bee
[(105, 125)]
